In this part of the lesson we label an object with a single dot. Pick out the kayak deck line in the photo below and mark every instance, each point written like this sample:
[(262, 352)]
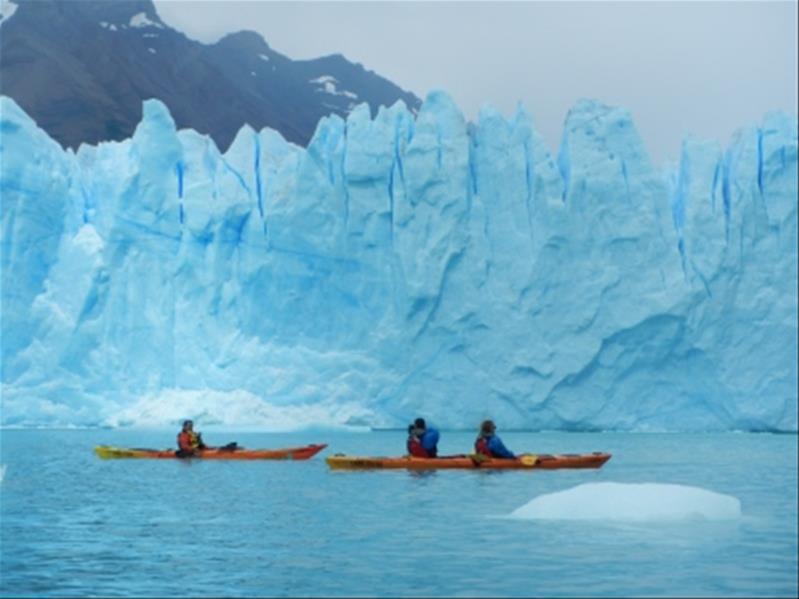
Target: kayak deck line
[(471, 462), (305, 452)]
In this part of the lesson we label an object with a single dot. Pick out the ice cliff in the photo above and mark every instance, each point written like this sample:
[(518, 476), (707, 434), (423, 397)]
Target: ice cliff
[(401, 266)]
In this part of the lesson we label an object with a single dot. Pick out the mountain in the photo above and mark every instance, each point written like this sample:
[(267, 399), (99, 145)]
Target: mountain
[(82, 70), (397, 266)]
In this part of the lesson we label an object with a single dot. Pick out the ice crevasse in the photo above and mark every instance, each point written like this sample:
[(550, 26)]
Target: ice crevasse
[(401, 266)]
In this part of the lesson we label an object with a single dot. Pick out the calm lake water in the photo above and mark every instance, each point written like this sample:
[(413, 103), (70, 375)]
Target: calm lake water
[(74, 525)]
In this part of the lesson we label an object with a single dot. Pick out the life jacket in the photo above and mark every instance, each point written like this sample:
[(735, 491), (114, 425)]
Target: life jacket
[(481, 446), (430, 442), (415, 448), (188, 440)]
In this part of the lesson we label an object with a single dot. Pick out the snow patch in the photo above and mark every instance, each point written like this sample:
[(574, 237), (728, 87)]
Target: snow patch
[(141, 20), (151, 51), (252, 73), (263, 57), (645, 502), (328, 84), (7, 9), (324, 79)]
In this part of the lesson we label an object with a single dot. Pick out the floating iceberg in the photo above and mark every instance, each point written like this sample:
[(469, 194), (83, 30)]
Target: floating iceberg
[(645, 502), (399, 266)]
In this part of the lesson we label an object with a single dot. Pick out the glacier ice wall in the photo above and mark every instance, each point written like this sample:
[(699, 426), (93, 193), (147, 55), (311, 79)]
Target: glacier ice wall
[(401, 266)]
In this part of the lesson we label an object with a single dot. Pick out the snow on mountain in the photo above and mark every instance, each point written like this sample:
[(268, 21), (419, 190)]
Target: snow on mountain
[(7, 10), (328, 85), (140, 20), (99, 59), (400, 266)]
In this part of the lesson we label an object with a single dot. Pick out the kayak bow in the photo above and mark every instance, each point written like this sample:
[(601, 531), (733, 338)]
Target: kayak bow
[(107, 452)]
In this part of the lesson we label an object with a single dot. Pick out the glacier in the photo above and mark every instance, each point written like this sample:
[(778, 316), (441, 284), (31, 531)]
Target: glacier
[(399, 266)]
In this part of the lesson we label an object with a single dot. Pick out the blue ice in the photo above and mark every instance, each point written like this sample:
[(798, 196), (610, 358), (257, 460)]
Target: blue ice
[(400, 266)]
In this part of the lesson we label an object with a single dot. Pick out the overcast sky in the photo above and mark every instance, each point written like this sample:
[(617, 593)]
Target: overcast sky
[(702, 68)]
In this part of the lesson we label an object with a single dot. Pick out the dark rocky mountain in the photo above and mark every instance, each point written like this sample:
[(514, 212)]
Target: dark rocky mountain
[(82, 69)]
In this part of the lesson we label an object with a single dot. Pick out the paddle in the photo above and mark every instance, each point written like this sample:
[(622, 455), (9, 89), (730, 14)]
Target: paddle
[(527, 459), (478, 458), (229, 447)]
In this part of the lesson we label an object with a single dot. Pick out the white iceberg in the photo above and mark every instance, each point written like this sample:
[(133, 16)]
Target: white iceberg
[(639, 502)]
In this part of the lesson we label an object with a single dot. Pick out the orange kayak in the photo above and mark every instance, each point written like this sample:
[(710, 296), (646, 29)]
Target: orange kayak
[(292, 453), (473, 461)]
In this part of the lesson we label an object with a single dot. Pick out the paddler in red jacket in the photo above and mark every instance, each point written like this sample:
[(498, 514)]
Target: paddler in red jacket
[(414, 445), (189, 442), (489, 444)]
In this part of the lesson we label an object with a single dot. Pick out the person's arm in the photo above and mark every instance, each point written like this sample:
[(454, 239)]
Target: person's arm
[(499, 450)]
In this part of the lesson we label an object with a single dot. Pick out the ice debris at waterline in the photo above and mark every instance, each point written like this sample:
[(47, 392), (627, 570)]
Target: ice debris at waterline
[(407, 266), (237, 409), (645, 502)]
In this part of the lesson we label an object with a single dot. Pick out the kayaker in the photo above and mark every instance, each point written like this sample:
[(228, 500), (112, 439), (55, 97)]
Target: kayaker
[(189, 442), (414, 444), (428, 437), (489, 444)]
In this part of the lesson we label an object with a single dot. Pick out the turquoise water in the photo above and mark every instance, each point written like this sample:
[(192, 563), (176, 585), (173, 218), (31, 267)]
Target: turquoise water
[(72, 524)]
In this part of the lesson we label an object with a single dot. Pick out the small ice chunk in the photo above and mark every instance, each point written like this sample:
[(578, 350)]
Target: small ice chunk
[(88, 239)]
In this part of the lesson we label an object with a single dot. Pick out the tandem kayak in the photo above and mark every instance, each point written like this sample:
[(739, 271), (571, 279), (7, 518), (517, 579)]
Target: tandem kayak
[(292, 453), (473, 461)]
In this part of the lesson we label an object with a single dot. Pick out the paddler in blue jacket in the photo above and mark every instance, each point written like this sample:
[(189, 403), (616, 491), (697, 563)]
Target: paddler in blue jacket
[(489, 445), (428, 437)]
